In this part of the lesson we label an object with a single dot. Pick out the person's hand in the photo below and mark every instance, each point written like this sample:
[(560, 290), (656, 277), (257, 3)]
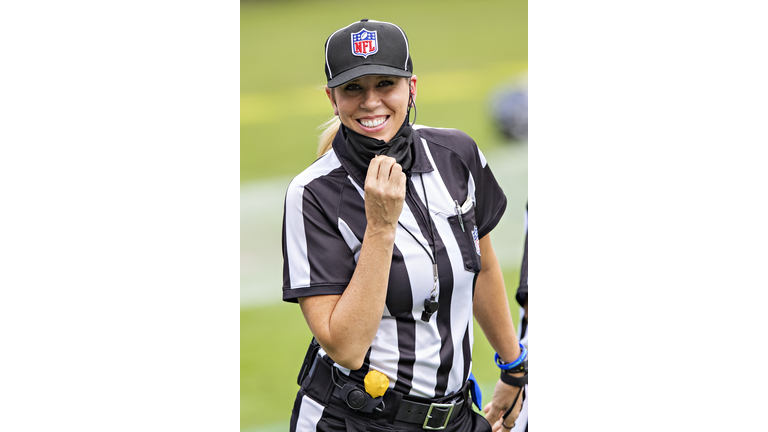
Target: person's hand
[(503, 395), (525, 308), (384, 193)]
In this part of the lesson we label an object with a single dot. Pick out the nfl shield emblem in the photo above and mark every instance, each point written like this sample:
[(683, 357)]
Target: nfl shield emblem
[(476, 239), (364, 43)]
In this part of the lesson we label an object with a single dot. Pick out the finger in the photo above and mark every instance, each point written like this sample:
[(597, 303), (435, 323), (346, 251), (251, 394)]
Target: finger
[(508, 422), (385, 166), (395, 172), (500, 427), (493, 417), (373, 166)]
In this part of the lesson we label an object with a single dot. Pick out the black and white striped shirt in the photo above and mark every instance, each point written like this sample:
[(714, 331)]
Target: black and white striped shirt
[(323, 226)]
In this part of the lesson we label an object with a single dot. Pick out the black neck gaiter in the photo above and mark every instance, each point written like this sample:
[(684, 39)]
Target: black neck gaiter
[(362, 149)]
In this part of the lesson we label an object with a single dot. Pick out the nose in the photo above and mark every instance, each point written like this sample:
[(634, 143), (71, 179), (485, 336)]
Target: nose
[(371, 99)]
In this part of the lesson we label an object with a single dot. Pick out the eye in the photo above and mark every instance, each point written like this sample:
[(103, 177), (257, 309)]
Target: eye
[(386, 83), (352, 87)]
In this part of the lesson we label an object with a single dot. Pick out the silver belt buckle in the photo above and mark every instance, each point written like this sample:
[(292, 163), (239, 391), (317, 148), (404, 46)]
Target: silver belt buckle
[(447, 417)]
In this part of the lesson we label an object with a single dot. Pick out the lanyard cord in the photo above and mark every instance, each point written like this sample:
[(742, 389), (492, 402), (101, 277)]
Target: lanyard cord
[(429, 221), (430, 304), (509, 411)]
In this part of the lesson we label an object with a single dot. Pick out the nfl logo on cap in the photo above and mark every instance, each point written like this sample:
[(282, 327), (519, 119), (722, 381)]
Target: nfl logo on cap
[(364, 43)]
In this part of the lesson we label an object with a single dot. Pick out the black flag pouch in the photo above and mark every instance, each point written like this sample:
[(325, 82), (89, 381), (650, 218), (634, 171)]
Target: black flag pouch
[(308, 360)]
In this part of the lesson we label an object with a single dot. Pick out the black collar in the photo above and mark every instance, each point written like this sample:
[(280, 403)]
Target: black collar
[(421, 162)]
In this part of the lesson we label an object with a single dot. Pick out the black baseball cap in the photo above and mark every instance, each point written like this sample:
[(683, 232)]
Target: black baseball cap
[(366, 48)]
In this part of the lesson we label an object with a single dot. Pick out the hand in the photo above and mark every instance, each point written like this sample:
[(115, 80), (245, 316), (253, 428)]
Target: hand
[(503, 395), (384, 193)]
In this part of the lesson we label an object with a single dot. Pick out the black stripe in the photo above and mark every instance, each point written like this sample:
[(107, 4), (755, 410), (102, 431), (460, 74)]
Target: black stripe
[(320, 212), (406, 344), (467, 352), (453, 170), (286, 264), (331, 420), (444, 317), (445, 274), (400, 306), (523, 327)]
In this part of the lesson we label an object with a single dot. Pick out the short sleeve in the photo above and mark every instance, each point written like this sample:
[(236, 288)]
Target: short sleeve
[(490, 200), (317, 258)]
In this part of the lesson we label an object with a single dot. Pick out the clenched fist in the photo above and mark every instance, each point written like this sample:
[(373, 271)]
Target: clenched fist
[(384, 193)]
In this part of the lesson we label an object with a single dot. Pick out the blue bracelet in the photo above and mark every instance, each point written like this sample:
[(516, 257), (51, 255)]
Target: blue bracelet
[(508, 366)]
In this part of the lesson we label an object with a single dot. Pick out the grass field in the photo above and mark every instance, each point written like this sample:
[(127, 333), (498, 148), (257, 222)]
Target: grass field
[(461, 52)]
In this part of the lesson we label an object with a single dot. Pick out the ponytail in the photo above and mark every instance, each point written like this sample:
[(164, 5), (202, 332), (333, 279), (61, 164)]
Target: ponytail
[(330, 128)]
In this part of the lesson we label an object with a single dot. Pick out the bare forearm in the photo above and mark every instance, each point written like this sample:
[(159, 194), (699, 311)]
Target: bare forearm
[(491, 306), (356, 317), (346, 324)]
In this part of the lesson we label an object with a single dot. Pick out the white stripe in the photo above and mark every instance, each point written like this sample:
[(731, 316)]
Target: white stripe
[(418, 126), (384, 346), (483, 162), (461, 301), (525, 220), (471, 189), (349, 237), (357, 186), (295, 236), (427, 337), (310, 413)]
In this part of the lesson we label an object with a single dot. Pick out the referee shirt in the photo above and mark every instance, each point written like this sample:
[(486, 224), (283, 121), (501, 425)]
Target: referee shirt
[(323, 227)]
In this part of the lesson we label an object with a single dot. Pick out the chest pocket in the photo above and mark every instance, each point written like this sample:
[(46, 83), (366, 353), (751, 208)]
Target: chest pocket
[(465, 231)]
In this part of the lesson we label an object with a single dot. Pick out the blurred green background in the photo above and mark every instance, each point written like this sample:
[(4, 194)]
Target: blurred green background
[(461, 52)]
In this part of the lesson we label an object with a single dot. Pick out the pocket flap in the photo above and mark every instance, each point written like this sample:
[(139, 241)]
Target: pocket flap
[(467, 205)]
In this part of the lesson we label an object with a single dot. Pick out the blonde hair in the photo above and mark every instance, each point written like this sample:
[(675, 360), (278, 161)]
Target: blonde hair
[(330, 128)]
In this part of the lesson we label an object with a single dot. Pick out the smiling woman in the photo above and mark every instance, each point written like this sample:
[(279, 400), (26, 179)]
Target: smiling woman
[(382, 243), (373, 105)]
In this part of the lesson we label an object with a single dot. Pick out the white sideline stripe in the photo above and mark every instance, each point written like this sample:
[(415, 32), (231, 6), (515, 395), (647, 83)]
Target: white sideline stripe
[(309, 414)]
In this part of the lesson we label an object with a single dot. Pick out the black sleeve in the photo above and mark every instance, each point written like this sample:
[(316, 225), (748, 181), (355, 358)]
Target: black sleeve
[(490, 199), (316, 257)]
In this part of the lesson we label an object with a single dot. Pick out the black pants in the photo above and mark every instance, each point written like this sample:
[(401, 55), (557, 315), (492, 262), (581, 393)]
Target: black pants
[(317, 409)]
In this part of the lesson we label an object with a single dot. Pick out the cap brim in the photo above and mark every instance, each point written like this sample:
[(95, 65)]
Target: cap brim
[(364, 70)]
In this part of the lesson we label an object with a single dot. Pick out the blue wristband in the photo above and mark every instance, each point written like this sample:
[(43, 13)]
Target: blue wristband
[(507, 366)]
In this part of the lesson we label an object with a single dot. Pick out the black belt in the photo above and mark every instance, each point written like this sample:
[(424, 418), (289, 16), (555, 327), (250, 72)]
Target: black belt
[(432, 414)]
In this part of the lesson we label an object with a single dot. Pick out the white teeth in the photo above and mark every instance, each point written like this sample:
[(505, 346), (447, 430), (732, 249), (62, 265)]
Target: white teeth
[(372, 123)]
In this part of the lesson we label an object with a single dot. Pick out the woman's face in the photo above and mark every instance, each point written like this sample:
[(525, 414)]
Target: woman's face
[(374, 105)]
